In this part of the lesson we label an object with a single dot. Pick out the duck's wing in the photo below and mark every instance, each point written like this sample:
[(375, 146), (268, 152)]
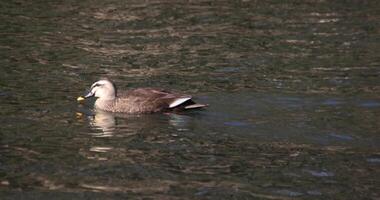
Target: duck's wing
[(162, 99)]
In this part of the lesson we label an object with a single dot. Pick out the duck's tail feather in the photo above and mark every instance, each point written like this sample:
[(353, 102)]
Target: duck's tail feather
[(182, 104), (195, 106)]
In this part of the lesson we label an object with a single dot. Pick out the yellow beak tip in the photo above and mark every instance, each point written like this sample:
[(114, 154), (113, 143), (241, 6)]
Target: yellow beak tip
[(80, 99)]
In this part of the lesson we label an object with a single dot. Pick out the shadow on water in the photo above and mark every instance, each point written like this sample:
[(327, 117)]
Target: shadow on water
[(293, 88)]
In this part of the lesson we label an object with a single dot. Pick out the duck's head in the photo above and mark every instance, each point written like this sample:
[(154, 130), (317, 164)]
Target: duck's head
[(102, 89)]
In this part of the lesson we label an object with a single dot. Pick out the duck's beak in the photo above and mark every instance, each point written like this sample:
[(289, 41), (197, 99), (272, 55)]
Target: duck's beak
[(82, 98)]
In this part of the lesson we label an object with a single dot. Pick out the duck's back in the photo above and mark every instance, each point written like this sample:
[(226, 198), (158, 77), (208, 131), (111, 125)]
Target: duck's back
[(145, 100)]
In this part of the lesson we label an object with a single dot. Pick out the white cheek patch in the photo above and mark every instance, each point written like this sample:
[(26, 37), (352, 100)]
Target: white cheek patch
[(179, 101)]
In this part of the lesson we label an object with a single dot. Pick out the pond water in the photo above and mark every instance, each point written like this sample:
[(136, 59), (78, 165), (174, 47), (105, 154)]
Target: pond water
[(293, 89)]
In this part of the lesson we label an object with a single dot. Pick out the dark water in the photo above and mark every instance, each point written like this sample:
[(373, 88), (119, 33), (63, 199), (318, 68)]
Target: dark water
[(293, 87)]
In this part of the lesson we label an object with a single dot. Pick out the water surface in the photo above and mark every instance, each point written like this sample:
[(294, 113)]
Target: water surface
[(293, 88)]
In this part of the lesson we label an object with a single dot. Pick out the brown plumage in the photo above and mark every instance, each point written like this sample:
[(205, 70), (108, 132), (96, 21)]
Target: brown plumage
[(141, 100)]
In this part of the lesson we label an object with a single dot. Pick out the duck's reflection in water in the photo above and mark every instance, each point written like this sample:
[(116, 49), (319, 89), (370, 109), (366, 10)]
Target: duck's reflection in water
[(107, 124), (104, 122)]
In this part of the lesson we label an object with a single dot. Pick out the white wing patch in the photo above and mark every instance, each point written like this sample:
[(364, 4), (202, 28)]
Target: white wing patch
[(179, 101)]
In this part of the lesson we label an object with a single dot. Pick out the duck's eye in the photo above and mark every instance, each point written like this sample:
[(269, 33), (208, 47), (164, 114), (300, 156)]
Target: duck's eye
[(96, 85)]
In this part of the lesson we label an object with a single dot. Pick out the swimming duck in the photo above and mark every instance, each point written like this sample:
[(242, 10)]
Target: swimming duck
[(140, 100)]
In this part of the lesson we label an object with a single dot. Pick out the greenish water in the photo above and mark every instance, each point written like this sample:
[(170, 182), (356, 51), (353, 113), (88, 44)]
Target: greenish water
[(293, 88)]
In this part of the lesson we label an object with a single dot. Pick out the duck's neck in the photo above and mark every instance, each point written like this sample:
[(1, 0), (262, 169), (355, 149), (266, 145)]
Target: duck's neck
[(105, 103)]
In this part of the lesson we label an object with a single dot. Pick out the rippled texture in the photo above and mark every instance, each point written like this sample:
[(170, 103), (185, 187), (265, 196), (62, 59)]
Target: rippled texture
[(293, 87)]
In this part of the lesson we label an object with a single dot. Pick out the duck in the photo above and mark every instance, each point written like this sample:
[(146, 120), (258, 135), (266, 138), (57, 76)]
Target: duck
[(139, 100)]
